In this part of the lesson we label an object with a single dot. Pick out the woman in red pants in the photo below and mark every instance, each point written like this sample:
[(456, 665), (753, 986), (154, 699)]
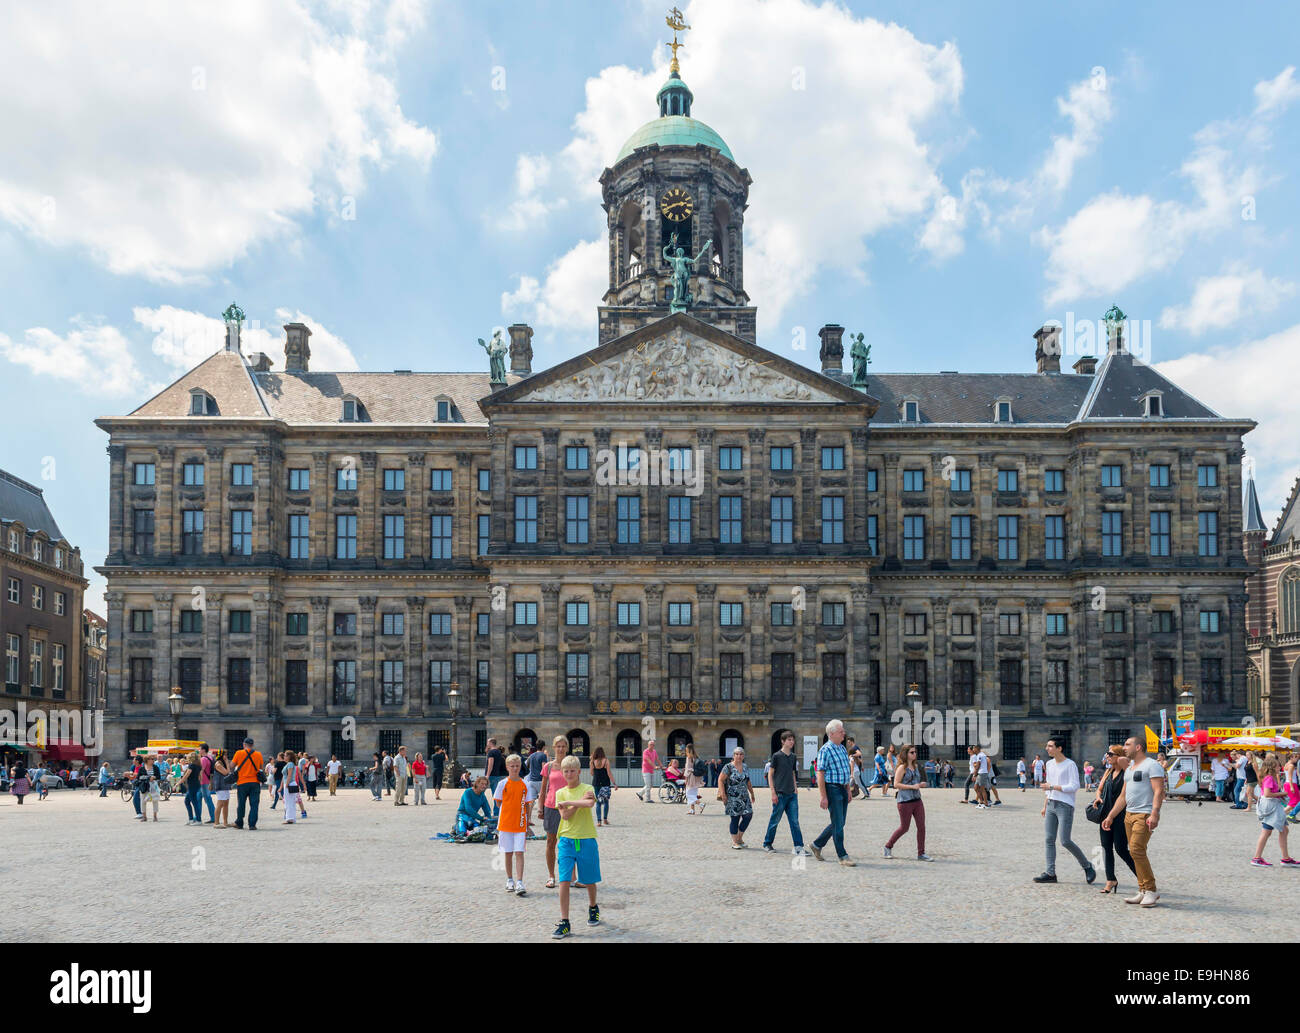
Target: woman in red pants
[(908, 781)]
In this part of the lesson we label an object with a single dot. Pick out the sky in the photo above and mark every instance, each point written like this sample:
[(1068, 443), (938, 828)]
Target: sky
[(406, 175)]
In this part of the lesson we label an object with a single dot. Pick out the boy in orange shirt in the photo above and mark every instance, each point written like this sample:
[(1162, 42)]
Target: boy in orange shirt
[(512, 823)]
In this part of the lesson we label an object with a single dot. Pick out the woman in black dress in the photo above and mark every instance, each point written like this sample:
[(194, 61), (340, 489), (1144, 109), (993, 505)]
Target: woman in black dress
[(1113, 840)]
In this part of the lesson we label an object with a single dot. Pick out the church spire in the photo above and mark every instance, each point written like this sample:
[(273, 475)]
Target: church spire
[(1254, 516), (678, 24), (675, 96)]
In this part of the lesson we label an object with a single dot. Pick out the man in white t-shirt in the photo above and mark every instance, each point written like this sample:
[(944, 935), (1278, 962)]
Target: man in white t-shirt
[(332, 770), (1021, 769), (1140, 801), (400, 770), (1240, 786), (979, 766), (1038, 770), (1059, 788), (1219, 771)]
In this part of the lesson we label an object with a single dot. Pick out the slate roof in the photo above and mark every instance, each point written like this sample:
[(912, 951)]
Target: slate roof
[(26, 503), (1288, 524), (1122, 381), (224, 375), (1254, 517), (969, 397)]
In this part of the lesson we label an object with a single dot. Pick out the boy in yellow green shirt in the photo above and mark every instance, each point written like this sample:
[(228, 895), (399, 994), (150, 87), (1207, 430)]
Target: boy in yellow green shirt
[(576, 845)]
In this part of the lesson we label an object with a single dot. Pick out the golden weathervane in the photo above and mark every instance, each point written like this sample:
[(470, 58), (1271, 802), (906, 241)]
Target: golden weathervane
[(678, 24)]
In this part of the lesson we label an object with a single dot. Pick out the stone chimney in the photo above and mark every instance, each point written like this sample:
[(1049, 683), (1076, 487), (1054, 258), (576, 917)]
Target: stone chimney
[(1048, 353), (832, 354), (297, 352), (521, 349), (260, 362), (1086, 366), (232, 337), (1114, 320)]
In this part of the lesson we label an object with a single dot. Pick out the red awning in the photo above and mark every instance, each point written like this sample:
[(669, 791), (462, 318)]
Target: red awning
[(65, 751)]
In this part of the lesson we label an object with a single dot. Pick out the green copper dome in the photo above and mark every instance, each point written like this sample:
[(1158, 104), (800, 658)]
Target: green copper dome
[(674, 131)]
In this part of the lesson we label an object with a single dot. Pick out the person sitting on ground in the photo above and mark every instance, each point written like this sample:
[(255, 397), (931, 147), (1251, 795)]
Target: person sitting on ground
[(473, 802)]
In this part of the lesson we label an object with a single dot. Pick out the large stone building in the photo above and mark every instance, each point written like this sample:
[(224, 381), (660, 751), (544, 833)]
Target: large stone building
[(40, 628), (311, 556), (1273, 611)]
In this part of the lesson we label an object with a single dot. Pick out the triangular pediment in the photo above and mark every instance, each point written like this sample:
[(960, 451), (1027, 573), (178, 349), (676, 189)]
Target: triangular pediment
[(680, 359)]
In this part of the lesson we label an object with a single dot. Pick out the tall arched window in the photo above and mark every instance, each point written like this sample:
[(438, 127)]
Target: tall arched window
[(1254, 692), (1288, 599)]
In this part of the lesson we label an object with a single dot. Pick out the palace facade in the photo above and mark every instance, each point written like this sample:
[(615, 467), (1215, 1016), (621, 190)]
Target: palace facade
[(677, 533)]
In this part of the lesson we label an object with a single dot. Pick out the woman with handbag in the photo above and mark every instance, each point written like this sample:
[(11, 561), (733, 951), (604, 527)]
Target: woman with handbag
[(693, 780), (222, 780), (289, 787), (1113, 840)]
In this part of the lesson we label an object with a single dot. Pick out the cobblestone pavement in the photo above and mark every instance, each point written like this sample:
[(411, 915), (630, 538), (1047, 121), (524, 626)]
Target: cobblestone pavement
[(79, 867)]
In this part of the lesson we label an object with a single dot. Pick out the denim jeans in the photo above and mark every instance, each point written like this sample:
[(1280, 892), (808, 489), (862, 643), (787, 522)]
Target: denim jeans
[(837, 799), (787, 804), (1218, 788), (602, 803), (135, 797), (492, 789), (1060, 816), (205, 794), (192, 806), (740, 822), (1236, 793), (250, 795)]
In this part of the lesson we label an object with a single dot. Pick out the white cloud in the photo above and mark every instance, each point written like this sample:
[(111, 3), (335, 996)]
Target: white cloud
[(529, 208), (183, 338), (1220, 301), (1254, 379), (96, 359), (1273, 96), (189, 133), (567, 299), (834, 162), (1088, 108)]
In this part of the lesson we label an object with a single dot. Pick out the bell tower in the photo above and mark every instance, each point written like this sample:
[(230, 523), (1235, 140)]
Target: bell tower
[(675, 184)]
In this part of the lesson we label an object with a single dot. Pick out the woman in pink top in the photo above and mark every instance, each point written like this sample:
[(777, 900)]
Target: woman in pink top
[(552, 779)]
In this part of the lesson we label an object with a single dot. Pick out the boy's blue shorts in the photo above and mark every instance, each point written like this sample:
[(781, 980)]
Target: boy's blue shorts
[(581, 853)]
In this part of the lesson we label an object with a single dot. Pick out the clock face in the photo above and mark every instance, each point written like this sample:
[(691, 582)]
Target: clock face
[(677, 205)]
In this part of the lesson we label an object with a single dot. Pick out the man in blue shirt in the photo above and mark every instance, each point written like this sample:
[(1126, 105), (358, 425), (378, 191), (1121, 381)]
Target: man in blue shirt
[(833, 785)]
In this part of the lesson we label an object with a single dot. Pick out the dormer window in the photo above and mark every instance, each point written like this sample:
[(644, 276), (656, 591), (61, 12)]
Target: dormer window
[(911, 411), (353, 411), (447, 411), (1002, 411), (202, 404), (1152, 404), (13, 540)]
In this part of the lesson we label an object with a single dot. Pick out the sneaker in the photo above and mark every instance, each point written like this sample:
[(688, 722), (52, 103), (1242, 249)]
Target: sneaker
[(1149, 899), (1090, 873), (1045, 877), (510, 885), (737, 846), (997, 803), (562, 930), (1289, 861), (1259, 862), (980, 807), (924, 857), (848, 862), (1135, 899), (519, 890), (817, 852), (768, 848), (888, 852), (593, 915)]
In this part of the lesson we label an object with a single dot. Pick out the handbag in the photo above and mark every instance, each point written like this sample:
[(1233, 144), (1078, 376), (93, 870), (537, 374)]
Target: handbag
[(1096, 812)]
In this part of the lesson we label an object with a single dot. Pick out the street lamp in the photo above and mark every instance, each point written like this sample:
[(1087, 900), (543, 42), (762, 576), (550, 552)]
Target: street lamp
[(176, 704), (915, 694), (454, 701)]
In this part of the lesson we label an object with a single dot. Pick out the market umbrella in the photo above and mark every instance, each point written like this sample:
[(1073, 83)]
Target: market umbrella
[(1278, 742)]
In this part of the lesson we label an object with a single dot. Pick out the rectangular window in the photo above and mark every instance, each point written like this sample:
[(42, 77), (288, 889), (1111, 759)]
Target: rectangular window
[(872, 480), (60, 604), (729, 520), (1008, 480), (525, 519), (627, 457), (833, 615), (1209, 622), (679, 676), (345, 478), (191, 679), (38, 597), (577, 676), (393, 624), (241, 475), (1009, 686), (142, 622), (1114, 622), (299, 479), (1054, 538), (629, 615), (1207, 476), (1162, 679), (440, 624), (782, 521), (345, 682), (916, 678), (832, 520), (782, 615), (141, 690), (1207, 533), (1158, 475), (1159, 532), (730, 458), (731, 676), (345, 624), (295, 683), (1054, 480), (395, 537), (484, 533), (627, 675), (142, 474), (1008, 538), (576, 457), (485, 480), (731, 615), (783, 677), (192, 475), (1112, 534), (441, 479), (959, 539), (238, 680), (1115, 679), (525, 680), (392, 682), (484, 621), (296, 624), (577, 527), (241, 532), (680, 458), (1058, 624), (525, 614), (142, 532), (872, 542), (629, 519), (345, 537), (394, 479), (963, 624), (440, 537), (1008, 624), (191, 622), (833, 457), (914, 480), (240, 622), (914, 623), (1162, 621), (483, 683), (679, 615), (191, 532), (1112, 476), (782, 457), (1058, 682), (56, 671), (913, 537), (577, 614), (963, 683), (679, 519), (1212, 680), (960, 481), (299, 536), (525, 458)]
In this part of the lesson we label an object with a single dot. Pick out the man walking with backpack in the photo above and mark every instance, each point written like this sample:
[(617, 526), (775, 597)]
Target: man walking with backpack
[(247, 767)]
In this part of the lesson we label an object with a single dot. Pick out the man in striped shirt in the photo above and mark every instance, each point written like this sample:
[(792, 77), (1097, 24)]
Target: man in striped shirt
[(833, 771)]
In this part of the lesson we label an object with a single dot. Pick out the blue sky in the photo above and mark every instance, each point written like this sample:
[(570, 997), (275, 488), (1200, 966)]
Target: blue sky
[(406, 175)]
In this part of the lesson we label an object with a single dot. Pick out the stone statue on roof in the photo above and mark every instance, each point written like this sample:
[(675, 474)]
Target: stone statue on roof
[(861, 354), (496, 357), (682, 268)]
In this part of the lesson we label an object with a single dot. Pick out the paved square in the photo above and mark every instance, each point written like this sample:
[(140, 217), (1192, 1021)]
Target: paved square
[(80, 868)]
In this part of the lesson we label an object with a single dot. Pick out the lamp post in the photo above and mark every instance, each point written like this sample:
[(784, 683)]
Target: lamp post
[(454, 701), (176, 704)]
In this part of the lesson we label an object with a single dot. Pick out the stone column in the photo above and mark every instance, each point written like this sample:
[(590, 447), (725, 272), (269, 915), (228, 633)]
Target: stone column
[(984, 535), (370, 533), (707, 623), (118, 545), (320, 509), (986, 686), (1234, 677), (601, 678), (756, 490), (940, 682), (653, 535), (367, 652), (1035, 535), (166, 541), (758, 659), (808, 626), (1141, 653), (164, 631), (1230, 529), (603, 532), (654, 639), (417, 681), (550, 690), (1037, 631), (461, 665), (891, 677), (213, 676), (417, 511), (264, 510), (215, 506), (117, 672), (549, 497), (266, 691), (706, 470), (1191, 643), (320, 688), (464, 529), (855, 521), (936, 547), (1138, 493), (891, 533), (860, 663), (809, 504)]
